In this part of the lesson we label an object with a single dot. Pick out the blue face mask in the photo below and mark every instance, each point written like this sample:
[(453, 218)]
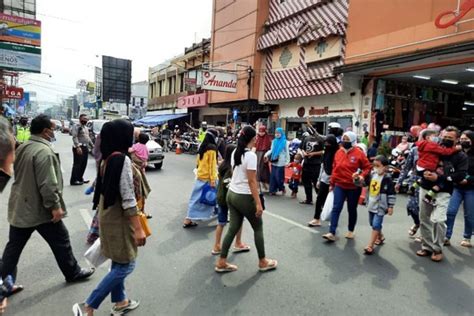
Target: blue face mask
[(435, 139)]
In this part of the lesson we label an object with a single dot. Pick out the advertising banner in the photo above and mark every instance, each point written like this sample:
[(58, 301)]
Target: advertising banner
[(10, 92), (20, 58), (19, 30), (219, 81), (193, 101)]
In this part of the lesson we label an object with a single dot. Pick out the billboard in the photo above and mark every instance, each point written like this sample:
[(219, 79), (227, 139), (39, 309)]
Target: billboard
[(20, 58), (219, 81), (10, 92), (116, 79), (19, 30)]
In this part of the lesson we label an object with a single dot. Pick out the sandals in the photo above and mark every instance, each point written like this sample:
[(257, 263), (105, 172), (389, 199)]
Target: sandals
[(437, 256), (271, 265), (228, 268), (423, 253), (380, 242), (466, 243), (215, 252), (314, 223), (329, 237), (413, 230), (369, 250), (16, 289), (189, 225), (245, 248)]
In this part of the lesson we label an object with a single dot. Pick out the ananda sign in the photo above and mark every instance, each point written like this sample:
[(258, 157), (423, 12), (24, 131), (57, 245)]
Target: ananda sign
[(219, 81)]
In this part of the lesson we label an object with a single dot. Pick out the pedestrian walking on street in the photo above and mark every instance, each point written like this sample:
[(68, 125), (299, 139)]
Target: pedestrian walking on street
[(350, 168), (296, 170), (36, 203), (244, 201), (380, 201), (206, 175), (463, 192), (330, 148), (7, 158), (433, 218), (312, 148), (120, 228), (80, 150), (262, 145), (279, 157), (225, 176)]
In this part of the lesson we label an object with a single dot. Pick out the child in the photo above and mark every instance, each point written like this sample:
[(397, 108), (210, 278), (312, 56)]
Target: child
[(225, 176), (381, 200), (296, 169), (429, 152), (140, 152)]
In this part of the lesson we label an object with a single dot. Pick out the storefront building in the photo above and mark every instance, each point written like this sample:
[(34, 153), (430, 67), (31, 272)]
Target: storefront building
[(415, 63)]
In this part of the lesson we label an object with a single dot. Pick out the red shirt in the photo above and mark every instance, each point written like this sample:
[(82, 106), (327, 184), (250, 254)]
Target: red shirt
[(296, 170), (346, 164), (429, 154)]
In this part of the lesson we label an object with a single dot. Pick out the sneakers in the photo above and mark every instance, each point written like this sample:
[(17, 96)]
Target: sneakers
[(125, 309), (350, 235)]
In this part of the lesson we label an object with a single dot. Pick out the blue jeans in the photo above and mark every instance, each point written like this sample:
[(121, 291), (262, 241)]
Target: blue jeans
[(222, 215), (458, 196), (340, 196), (112, 283), (277, 179), (376, 221)]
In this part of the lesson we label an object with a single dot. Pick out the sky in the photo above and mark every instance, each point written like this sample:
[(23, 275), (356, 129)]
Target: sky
[(76, 33)]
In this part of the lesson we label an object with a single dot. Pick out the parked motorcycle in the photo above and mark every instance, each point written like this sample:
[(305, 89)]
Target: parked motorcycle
[(397, 163)]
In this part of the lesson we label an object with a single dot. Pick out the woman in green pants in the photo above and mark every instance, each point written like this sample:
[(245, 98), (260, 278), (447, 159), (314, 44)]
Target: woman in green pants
[(243, 201)]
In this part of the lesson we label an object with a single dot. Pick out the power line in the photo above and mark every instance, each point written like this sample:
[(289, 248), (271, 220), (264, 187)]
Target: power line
[(58, 18)]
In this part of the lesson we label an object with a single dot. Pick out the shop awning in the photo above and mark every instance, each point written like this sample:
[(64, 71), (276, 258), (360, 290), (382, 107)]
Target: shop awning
[(153, 120)]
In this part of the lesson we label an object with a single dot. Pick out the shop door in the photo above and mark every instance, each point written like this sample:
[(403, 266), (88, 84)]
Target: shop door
[(344, 121)]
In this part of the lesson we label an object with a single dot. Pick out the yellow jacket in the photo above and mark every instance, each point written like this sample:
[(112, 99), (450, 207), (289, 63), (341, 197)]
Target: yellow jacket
[(207, 166)]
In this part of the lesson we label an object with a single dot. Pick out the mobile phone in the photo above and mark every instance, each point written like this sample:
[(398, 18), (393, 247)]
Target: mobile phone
[(4, 178)]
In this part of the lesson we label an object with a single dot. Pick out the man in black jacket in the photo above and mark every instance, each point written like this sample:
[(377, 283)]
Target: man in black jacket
[(312, 147), (433, 219)]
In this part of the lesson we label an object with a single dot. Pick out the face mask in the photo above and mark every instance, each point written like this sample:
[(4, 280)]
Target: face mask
[(447, 143), (278, 136), (347, 145), (435, 139), (51, 138), (297, 161), (379, 170), (466, 144), (4, 178)]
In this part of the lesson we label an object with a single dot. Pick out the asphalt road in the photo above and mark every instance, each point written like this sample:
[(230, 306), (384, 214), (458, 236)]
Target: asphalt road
[(175, 276)]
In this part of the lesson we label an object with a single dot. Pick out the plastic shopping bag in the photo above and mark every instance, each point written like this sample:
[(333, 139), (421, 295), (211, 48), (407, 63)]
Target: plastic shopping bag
[(94, 256), (327, 208)]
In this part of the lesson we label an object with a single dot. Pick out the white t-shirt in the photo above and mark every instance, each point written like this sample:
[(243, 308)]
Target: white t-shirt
[(240, 181)]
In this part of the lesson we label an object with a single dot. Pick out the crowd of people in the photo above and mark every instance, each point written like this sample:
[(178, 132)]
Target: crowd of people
[(439, 167), (230, 183)]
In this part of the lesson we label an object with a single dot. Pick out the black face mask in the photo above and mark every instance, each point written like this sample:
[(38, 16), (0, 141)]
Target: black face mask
[(4, 178), (447, 143), (466, 144), (347, 145)]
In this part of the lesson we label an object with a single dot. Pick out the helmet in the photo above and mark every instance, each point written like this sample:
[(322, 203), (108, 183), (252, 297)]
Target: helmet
[(334, 125)]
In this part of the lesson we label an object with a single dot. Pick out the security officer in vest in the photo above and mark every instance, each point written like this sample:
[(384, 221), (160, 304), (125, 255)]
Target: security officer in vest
[(202, 132), (81, 144), (22, 131)]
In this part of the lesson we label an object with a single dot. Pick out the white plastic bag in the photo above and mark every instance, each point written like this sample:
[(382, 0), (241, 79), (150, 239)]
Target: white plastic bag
[(327, 208), (94, 256)]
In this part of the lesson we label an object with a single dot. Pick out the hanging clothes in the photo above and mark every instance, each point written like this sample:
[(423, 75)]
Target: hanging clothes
[(380, 100)]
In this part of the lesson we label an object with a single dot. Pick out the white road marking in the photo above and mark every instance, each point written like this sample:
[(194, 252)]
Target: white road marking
[(86, 216), (289, 221)]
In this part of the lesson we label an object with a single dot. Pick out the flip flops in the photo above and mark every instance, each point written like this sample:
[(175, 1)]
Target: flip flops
[(380, 242), (368, 250), (245, 248), (215, 252), (189, 225), (271, 265), (228, 268)]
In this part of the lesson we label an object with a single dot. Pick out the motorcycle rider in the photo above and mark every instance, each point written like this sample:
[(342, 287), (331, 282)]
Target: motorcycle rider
[(22, 130)]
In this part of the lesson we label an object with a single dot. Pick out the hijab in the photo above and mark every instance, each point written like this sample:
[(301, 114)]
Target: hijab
[(352, 136), (116, 138), (278, 144), (329, 153), (263, 143)]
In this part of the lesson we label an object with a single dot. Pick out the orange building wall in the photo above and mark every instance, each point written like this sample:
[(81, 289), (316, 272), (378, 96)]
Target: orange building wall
[(377, 27), (236, 26)]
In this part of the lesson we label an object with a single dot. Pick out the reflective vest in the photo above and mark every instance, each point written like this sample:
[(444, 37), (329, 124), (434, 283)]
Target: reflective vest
[(202, 135), (22, 134)]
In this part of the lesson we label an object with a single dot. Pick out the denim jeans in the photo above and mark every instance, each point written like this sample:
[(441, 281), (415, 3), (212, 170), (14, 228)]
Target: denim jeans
[(277, 179), (340, 196), (375, 221), (113, 283), (222, 215), (458, 196)]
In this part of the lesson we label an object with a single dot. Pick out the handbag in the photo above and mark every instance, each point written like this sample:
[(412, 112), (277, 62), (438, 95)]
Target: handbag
[(94, 255), (145, 225), (327, 208), (208, 195)]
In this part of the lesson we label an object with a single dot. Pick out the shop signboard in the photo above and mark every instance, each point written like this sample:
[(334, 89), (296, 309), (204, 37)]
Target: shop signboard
[(90, 87), (20, 58), (323, 111), (15, 29), (219, 81), (192, 101), (10, 92)]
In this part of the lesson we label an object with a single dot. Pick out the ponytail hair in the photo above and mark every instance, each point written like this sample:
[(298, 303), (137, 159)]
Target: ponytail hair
[(246, 136)]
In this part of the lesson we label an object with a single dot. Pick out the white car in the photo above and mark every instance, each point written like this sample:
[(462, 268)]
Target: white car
[(155, 154)]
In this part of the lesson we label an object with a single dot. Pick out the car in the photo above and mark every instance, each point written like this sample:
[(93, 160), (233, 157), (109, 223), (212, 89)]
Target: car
[(155, 154), (72, 123), (65, 127), (57, 124), (95, 126)]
